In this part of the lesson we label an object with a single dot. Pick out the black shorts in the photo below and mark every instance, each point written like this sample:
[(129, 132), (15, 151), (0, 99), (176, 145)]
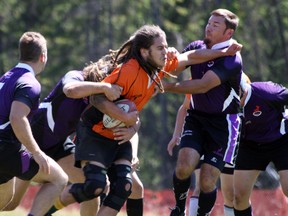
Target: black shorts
[(257, 156), (61, 150), (214, 136), (15, 160), (92, 146)]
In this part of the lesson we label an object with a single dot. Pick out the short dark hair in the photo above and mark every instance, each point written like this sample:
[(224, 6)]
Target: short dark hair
[(31, 46), (231, 19)]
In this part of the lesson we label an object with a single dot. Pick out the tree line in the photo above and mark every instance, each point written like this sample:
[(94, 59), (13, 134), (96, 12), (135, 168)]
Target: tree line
[(81, 31)]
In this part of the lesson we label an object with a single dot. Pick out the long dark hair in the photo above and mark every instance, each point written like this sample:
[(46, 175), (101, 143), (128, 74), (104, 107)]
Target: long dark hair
[(143, 38)]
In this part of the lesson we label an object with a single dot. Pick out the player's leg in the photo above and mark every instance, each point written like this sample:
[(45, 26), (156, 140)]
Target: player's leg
[(20, 189), (244, 181), (134, 204), (6, 193), (193, 202), (209, 175), (76, 175), (188, 158), (227, 192), (120, 188), (52, 186)]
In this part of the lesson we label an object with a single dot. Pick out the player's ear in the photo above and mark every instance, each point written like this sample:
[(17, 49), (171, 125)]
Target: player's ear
[(144, 52), (230, 32)]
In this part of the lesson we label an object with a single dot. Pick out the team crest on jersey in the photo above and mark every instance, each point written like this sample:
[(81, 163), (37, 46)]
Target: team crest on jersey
[(257, 112), (210, 63)]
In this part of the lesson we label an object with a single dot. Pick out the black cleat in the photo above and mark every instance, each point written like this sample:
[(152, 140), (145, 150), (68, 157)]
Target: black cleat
[(176, 212)]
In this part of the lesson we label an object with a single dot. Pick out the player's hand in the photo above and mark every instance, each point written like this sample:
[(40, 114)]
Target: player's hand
[(174, 141), (43, 161), (233, 48), (132, 118), (113, 91), (172, 52), (124, 134)]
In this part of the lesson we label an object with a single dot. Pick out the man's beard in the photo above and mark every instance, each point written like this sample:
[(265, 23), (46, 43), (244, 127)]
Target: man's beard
[(207, 41), (151, 63)]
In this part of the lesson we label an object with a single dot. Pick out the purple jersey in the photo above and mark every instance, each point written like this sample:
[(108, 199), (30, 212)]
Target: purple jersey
[(264, 112), (18, 84), (58, 115), (225, 97)]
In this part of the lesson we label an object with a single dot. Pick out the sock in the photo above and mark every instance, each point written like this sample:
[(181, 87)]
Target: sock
[(181, 188), (57, 206), (245, 212), (206, 202), (134, 207), (228, 211), (193, 206)]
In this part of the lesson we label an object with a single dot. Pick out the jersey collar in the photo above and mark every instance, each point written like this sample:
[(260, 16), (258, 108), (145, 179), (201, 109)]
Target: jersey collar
[(25, 66), (222, 44)]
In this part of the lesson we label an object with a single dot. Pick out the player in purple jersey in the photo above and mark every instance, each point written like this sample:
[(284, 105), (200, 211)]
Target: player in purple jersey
[(57, 118), (20, 155), (264, 139), (211, 127)]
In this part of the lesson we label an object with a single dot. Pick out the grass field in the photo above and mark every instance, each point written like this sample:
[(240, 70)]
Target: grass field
[(157, 203), (22, 212)]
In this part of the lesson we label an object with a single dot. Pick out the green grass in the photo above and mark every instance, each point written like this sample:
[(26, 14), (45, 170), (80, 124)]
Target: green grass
[(22, 212)]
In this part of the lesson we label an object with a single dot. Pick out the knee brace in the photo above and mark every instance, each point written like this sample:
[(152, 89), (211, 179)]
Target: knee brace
[(95, 183), (120, 187)]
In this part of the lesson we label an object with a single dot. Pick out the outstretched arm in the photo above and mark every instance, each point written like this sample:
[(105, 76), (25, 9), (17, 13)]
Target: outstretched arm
[(199, 56)]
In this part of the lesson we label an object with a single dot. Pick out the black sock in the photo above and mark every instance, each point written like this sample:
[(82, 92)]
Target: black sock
[(52, 210), (206, 202), (181, 188), (134, 207), (245, 212)]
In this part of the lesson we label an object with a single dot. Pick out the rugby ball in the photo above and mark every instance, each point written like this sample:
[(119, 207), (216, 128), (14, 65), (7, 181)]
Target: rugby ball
[(125, 105)]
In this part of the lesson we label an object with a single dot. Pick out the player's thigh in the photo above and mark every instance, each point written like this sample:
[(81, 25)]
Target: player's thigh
[(75, 174), (56, 175)]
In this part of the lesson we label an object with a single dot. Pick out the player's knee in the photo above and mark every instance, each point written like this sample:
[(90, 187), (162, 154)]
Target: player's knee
[(120, 190), (93, 186)]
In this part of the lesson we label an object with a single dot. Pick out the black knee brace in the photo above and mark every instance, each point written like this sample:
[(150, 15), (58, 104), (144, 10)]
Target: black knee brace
[(120, 187), (95, 179)]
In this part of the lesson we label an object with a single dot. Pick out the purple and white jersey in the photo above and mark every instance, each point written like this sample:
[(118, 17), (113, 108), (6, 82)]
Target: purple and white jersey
[(264, 114), (18, 84), (225, 97), (58, 115)]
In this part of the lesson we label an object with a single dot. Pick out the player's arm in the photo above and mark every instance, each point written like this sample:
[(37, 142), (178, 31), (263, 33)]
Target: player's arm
[(194, 86), (180, 118), (21, 127), (107, 107), (199, 56), (78, 89)]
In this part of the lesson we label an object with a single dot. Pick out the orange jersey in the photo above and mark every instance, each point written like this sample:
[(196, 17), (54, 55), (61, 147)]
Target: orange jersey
[(137, 86)]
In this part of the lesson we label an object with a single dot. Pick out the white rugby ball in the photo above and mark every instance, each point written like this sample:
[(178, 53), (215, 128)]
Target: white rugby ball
[(125, 105)]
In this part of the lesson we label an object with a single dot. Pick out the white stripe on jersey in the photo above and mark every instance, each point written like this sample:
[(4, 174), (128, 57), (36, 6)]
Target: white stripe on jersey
[(229, 99), (50, 119)]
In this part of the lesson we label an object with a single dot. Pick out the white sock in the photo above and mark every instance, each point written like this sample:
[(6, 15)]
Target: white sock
[(193, 206), (228, 211)]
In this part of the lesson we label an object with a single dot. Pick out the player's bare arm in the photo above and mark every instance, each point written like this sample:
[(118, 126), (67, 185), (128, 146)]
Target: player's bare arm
[(107, 107)]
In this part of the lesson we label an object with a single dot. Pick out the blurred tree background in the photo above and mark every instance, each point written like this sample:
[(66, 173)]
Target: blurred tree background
[(80, 31)]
